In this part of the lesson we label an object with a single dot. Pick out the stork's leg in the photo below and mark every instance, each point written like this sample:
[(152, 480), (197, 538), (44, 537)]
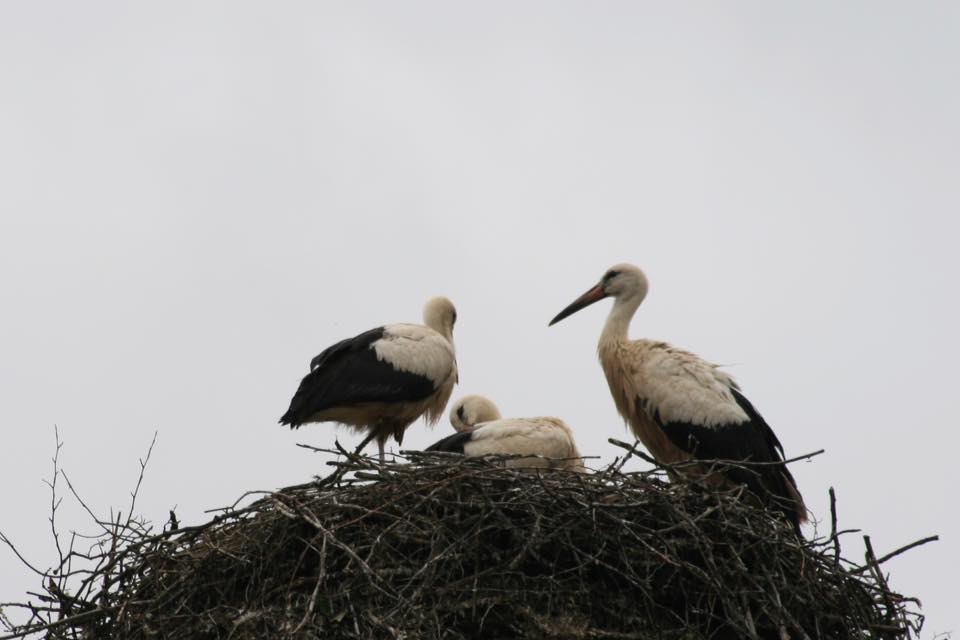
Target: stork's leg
[(380, 444), (366, 441)]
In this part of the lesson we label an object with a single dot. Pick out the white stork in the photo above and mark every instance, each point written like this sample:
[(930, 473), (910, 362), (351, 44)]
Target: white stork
[(383, 379), (680, 406), (482, 432)]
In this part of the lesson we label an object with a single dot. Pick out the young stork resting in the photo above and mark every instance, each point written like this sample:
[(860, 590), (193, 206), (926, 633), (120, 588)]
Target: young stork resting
[(682, 407), (482, 432), (470, 411), (383, 379)]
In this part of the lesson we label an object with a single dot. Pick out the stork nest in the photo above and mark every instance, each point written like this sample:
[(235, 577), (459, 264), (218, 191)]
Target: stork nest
[(438, 546)]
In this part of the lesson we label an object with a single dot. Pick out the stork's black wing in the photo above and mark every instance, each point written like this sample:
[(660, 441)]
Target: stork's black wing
[(349, 374), (452, 443), (356, 343), (750, 441)]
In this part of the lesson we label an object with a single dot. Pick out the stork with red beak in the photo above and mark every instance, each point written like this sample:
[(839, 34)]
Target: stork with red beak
[(682, 407)]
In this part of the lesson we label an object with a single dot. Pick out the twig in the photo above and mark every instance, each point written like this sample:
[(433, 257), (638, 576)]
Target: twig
[(143, 468), (71, 620), (893, 553), (833, 528), (871, 560)]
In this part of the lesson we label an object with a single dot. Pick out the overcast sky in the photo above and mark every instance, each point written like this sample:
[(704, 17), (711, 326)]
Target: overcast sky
[(198, 197)]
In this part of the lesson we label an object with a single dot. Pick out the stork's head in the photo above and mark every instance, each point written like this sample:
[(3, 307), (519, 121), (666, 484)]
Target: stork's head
[(440, 315), (469, 411), (622, 281)]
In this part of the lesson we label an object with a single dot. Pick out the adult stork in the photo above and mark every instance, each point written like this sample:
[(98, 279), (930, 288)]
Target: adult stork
[(382, 380), (482, 432), (682, 407)]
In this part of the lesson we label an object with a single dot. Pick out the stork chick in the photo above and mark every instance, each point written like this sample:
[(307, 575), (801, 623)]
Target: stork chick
[(469, 411), (482, 432)]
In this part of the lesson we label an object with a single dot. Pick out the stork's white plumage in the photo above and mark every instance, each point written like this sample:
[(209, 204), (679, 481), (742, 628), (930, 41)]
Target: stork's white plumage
[(680, 406), (482, 432), (382, 380)]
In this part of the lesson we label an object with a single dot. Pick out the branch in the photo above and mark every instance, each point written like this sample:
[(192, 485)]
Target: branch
[(894, 553)]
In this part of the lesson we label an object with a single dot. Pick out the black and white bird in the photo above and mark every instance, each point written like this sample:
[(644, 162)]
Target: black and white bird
[(382, 380), (482, 432), (682, 407)]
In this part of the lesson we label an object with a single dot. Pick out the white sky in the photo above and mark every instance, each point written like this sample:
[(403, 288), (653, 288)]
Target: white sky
[(200, 196)]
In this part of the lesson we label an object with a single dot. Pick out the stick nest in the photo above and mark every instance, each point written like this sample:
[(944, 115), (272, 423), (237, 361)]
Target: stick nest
[(438, 546)]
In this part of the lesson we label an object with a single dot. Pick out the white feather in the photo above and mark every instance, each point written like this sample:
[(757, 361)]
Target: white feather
[(417, 349), (548, 437), (681, 386)]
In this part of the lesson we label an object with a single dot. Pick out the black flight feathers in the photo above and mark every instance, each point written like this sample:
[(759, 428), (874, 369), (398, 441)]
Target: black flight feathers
[(752, 440), (348, 374), (356, 343), (749, 441), (453, 443)]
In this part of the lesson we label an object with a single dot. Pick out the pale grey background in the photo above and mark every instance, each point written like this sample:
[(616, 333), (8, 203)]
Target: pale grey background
[(197, 197)]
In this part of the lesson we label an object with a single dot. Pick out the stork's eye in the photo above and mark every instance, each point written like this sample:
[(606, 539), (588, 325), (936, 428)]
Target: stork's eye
[(454, 321), (460, 414), (610, 275)]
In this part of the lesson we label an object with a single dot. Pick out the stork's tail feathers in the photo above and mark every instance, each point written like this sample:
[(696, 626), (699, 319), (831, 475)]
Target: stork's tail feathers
[(779, 491), (792, 503), (289, 419)]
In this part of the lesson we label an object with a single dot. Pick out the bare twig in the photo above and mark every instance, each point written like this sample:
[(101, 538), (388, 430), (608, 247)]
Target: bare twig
[(833, 528), (894, 553), (143, 468)]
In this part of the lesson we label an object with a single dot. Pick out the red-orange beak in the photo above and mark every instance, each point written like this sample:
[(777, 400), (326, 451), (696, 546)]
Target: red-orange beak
[(587, 299)]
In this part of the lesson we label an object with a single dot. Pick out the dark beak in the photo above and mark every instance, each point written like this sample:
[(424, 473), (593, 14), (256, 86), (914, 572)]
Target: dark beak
[(587, 299)]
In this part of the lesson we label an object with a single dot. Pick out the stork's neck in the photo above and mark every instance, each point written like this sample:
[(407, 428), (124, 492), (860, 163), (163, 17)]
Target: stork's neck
[(618, 322), (440, 327)]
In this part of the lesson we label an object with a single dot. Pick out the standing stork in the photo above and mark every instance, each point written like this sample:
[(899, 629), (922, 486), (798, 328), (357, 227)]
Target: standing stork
[(383, 379), (482, 432), (682, 407)]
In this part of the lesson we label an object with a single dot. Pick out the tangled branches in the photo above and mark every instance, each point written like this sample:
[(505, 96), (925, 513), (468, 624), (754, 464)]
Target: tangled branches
[(438, 546)]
